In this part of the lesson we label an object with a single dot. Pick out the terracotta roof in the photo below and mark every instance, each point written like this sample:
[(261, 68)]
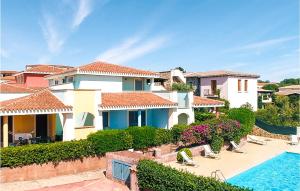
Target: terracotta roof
[(8, 78), (291, 87), (134, 99), (39, 101), (220, 73), (46, 69), (10, 88), (201, 101), (104, 68), (8, 71)]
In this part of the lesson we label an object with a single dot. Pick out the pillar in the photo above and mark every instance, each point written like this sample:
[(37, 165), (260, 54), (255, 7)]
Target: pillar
[(5, 131), (217, 113), (98, 121), (68, 127), (139, 118)]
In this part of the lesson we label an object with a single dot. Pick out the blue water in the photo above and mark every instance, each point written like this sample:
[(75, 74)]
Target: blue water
[(281, 173)]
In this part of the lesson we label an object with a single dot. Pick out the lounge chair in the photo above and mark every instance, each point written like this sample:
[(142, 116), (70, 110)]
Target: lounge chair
[(236, 147), (252, 139), (186, 159), (294, 140), (209, 153)]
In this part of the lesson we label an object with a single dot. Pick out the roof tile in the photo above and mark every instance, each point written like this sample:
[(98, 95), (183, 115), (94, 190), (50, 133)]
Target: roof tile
[(201, 101), (9, 88)]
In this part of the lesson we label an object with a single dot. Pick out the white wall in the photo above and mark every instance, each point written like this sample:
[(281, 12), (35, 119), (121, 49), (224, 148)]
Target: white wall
[(221, 84), (7, 96), (236, 98), (105, 83)]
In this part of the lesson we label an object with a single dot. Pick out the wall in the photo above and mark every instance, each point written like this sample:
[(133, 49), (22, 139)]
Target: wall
[(35, 80), (118, 119), (7, 96), (45, 171), (52, 126), (105, 83), (128, 84), (221, 84), (83, 132), (236, 98), (158, 118), (24, 123)]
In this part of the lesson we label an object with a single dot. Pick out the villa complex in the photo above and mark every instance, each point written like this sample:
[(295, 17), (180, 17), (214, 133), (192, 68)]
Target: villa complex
[(93, 97)]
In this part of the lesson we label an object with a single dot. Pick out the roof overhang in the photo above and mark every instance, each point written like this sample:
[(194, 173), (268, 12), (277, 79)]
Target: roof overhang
[(104, 108), (211, 105), (35, 112)]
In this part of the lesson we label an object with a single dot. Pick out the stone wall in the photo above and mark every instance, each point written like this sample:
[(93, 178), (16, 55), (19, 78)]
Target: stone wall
[(34, 171)]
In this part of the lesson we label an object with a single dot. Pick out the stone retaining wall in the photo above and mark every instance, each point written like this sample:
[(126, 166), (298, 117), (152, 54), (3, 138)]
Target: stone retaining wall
[(34, 171)]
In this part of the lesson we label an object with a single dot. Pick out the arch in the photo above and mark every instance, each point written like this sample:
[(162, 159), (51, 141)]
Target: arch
[(183, 119)]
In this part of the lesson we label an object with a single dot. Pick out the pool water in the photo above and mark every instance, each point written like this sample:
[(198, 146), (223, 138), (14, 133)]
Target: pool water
[(281, 173)]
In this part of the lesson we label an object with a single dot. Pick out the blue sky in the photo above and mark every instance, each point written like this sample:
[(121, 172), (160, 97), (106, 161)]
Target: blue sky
[(258, 36)]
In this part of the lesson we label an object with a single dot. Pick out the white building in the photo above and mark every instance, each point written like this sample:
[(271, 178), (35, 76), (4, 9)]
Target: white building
[(238, 88)]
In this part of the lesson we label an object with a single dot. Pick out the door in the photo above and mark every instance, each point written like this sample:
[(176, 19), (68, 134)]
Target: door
[(214, 87), (41, 122), (121, 171), (138, 84), (133, 118)]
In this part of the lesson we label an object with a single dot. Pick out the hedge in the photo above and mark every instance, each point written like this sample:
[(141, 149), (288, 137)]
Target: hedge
[(245, 116), (143, 137), (110, 140), (176, 132), (157, 177), (187, 151), (44, 153), (162, 136)]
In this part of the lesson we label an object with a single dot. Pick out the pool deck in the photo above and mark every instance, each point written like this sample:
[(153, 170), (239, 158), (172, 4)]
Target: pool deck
[(231, 163)]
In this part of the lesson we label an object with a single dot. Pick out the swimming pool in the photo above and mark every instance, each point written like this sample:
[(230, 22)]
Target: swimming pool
[(281, 173)]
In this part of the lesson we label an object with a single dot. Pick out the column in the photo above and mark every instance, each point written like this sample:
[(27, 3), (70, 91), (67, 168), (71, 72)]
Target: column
[(98, 121), (5, 131), (68, 127), (217, 112), (139, 118)]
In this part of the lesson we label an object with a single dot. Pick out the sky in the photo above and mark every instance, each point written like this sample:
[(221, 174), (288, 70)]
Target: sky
[(255, 36)]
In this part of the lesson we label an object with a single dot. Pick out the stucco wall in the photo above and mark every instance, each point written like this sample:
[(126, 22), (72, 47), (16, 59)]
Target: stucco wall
[(24, 123), (159, 118), (82, 133), (105, 83), (118, 119), (221, 84), (35, 80)]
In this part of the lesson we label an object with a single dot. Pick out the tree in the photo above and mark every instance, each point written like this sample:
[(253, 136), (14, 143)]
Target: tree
[(290, 81), (181, 69), (273, 87)]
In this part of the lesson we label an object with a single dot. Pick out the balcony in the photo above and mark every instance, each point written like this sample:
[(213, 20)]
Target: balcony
[(210, 94), (183, 99)]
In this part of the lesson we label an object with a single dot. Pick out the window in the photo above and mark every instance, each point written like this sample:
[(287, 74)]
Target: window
[(56, 82), (138, 84), (105, 119), (133, 118), (239, 85), (148, 81), (70, 79), (246, 85), (213, 87)]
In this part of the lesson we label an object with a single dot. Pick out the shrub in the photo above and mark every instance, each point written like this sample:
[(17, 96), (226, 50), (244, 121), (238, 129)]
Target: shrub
[(110, 140), (203, 116), (162, 136), (143, 137), (176, 132), (245, 116), (44, 153), (216, 143), (181, 87), (196, 134), (187, 151), (157, 177)]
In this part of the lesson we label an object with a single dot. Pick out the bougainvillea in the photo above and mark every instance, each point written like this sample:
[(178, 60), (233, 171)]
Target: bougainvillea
[(196, 134)]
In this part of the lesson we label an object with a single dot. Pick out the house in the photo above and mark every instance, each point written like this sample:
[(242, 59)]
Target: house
[(94, 97), (7, 76), (289, 90), (33, 75), (236, 87), (167, 78)]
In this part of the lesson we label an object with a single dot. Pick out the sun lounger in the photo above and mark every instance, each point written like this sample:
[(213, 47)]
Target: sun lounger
[(209, 153), (186, 159), (236, 147), (294, 140), (252, 139)]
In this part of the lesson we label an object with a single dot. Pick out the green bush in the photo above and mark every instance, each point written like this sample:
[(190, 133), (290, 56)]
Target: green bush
[(182, 87), (157, 177), (176, 132), (44, 153), (245, 116), (203, 116), (143, 137), (216, 143), (162, 136), (187, 151), (110, 140)]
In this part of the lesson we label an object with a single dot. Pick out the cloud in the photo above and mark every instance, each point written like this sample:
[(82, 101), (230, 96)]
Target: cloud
[(84, 9), (51, 34), (263, 44), (132, 48), (4, 53)]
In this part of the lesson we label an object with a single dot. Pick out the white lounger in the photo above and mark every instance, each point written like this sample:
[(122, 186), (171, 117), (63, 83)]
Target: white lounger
[(253, 139), (209, 153), (236, 147), (186, 159), (294, 140)]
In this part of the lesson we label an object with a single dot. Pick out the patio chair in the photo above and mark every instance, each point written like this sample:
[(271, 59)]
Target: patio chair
[(252, 139), (186, 159), (209, 153), (294, 140), (236, 147)]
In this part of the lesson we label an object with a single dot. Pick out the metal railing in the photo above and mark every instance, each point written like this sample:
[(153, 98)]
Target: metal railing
[(218, 175)]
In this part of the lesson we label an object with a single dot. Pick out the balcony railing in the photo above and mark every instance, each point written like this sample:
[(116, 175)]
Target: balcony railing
[(183, 100)]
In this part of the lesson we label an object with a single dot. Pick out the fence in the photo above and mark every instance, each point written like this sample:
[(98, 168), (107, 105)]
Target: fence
[(282, 130)]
